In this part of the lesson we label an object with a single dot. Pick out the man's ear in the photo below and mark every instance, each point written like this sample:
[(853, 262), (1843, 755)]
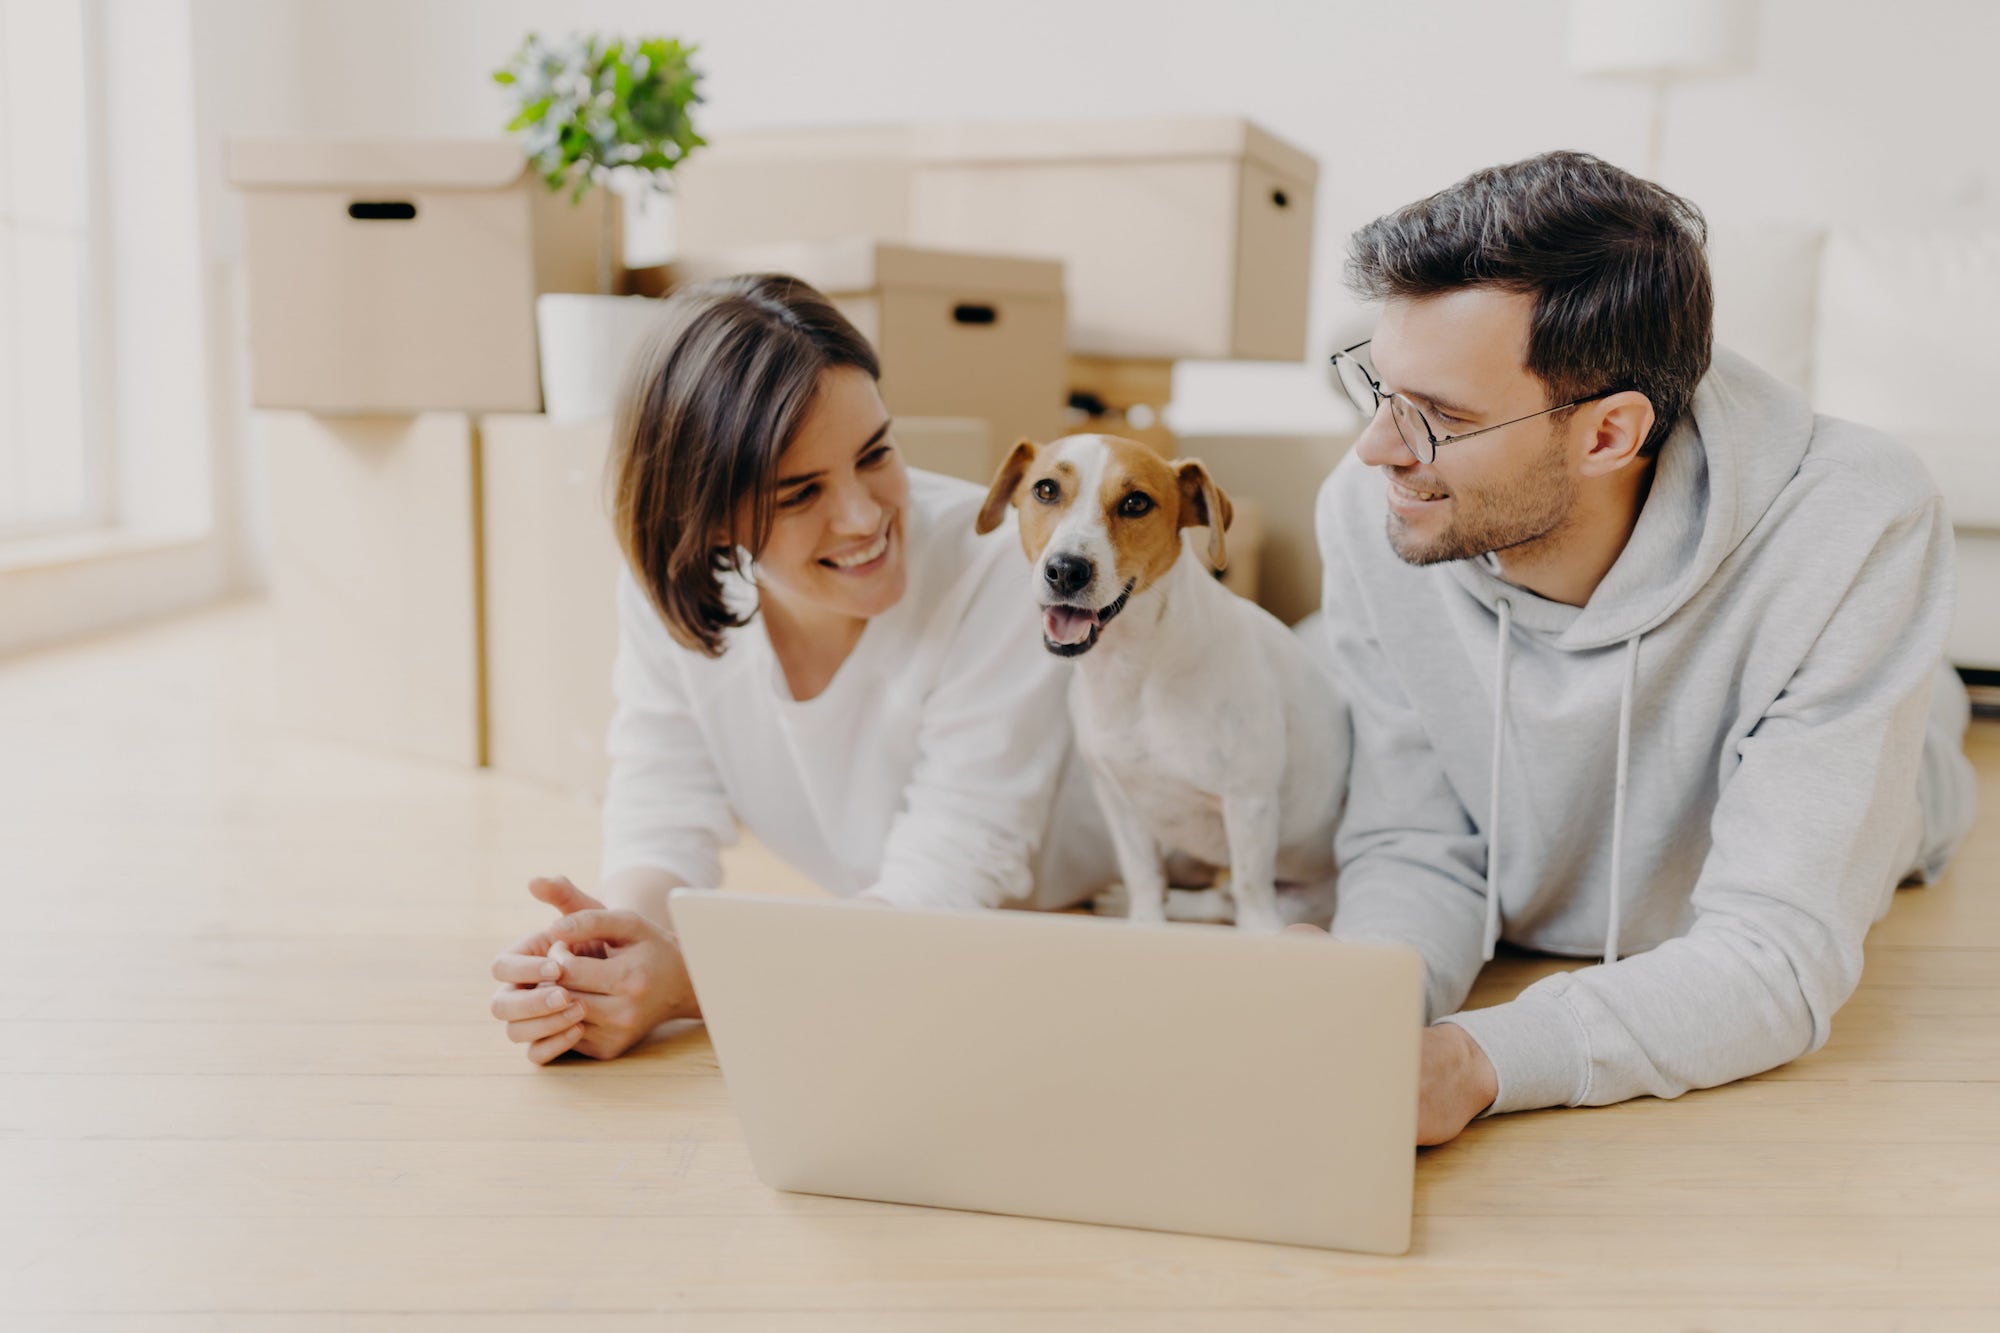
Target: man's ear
[(1203, 505), (1619, 425), (1005, 482)]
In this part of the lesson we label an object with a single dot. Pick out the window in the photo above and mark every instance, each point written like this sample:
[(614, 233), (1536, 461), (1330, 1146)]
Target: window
[(52, 459)]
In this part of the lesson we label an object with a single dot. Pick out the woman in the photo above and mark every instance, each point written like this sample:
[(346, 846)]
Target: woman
[(814, 644)]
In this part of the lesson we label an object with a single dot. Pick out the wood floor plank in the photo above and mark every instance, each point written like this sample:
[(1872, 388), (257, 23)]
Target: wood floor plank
[(919, 1259), (700, 1166), (1665, 1319), (574, 1102)]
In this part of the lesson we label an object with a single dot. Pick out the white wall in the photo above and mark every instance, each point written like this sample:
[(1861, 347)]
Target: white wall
[(1855, 112)]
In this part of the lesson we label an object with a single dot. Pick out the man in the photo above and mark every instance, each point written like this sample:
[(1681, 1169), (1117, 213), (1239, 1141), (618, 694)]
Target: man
[(1647, 667)]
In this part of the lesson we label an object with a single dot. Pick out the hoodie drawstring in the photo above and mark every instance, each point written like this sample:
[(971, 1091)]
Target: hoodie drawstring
[(1506, 610), (1618, 793), (1630, 687)]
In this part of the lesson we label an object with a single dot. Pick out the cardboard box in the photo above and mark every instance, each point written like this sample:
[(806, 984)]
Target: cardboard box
[(1281, 475), (1184, 237), (1109, 396), (762, 187), (959, 335), (394, 277), (374, 580), (552, 563), (956, 446), (1181, 237), (1121, 383)]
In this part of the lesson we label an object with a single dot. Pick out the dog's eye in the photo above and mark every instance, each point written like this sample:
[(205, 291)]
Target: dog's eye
[(1136, 505), (1047, 491)]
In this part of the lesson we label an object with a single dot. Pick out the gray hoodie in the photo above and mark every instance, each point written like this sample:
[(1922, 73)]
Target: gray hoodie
[(1713, 775)]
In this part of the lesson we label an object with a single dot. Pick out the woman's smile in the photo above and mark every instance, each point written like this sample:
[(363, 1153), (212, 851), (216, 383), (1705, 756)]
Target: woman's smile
[(867, 558)]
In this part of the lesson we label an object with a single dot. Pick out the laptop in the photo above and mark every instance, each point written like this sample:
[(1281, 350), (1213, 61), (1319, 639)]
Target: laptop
[(1173, 1077)]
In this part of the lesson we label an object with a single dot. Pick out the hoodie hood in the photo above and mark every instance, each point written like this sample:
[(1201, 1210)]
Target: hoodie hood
[(1741, 442)]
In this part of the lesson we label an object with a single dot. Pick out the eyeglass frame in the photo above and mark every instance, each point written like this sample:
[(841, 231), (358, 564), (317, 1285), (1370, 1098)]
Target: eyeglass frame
[(1429, 432)]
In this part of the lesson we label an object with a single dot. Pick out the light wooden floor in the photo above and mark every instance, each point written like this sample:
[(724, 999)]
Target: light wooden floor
[(248, 1081)]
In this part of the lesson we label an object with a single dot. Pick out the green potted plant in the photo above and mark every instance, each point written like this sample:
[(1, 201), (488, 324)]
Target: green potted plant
[(596, 112)]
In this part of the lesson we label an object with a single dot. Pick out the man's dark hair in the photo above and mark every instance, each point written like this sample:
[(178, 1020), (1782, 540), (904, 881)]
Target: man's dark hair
[(1616, 265)]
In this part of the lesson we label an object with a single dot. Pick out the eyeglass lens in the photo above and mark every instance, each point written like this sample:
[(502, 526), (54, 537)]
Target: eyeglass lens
[(1410, 424)]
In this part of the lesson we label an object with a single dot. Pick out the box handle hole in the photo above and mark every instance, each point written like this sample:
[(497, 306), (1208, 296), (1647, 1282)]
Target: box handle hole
[(970, 313), (383, 211), (1281, 199)]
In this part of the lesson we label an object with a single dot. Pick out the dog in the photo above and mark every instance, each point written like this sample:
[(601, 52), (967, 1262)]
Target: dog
[(1207, 727)]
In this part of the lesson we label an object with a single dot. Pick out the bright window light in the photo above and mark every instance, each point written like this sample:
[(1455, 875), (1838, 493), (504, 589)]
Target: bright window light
[(51, 477)]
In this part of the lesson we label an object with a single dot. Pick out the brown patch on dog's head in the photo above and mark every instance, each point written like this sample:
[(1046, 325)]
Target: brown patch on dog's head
[(1140, 497)]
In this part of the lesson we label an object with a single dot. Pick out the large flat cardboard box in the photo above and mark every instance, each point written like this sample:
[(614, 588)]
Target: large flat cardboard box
[(1181, 237), (552, 564), (374, 580), (959, 335), (396, 277), (759, 187)]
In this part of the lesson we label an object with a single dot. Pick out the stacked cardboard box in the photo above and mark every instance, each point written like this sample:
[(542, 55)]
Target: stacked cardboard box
[(392, 300), (1186, 237)]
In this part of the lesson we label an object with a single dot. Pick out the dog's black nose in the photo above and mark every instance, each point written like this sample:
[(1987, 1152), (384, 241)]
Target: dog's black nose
[(1067, 574)]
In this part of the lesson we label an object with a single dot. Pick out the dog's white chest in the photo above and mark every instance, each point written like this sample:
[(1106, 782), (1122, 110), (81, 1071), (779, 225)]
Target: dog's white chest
[(1172, 774)]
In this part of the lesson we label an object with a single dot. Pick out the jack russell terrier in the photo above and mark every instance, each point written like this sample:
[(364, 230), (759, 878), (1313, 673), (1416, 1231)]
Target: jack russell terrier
[(1207, 727)]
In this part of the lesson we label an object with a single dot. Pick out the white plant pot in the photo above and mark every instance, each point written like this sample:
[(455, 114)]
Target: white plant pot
[(587, 346)]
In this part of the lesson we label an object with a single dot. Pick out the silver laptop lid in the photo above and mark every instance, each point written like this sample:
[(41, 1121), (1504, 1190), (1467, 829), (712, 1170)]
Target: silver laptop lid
[(1180, 1078)]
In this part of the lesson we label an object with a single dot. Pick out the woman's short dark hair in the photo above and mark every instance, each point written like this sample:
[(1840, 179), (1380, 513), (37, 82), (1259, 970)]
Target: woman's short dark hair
[(1616, 265), (711, 402)]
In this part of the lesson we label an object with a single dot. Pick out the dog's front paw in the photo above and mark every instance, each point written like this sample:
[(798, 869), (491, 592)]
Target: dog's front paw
[(1258, 912)]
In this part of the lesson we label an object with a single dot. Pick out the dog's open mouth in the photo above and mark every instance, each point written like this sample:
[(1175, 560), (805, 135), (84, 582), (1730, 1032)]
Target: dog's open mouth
[(1070, 630)]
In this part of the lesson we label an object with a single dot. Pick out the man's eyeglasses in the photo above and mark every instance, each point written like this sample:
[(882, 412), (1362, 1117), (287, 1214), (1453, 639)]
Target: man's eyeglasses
[(1411, 423)]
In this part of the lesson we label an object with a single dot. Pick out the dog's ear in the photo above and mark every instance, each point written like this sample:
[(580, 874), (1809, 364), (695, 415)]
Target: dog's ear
[(1005, 482), (1203, 505)]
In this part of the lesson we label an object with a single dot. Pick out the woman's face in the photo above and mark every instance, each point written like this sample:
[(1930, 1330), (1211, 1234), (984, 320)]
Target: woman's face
[(837, 531)]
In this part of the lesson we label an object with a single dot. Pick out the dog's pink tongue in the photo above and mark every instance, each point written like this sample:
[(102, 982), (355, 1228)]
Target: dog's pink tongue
[(1067, 624)]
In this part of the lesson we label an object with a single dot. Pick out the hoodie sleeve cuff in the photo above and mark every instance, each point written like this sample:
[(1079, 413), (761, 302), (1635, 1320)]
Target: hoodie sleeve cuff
[(1538, 1050)]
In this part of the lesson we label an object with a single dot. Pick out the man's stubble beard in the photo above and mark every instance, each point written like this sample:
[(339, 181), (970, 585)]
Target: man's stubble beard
[(1534, 507)]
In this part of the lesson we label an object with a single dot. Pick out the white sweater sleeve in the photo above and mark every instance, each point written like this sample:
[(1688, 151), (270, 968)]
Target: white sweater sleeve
[(990, 747), (664, 804)]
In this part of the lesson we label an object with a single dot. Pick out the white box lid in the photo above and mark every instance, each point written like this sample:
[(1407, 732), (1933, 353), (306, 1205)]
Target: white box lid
[(860, 264), (1153, 138), (321, 164), (785, 143)]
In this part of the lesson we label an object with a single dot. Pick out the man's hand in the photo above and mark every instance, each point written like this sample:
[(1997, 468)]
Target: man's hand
[(1455, 1080)]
